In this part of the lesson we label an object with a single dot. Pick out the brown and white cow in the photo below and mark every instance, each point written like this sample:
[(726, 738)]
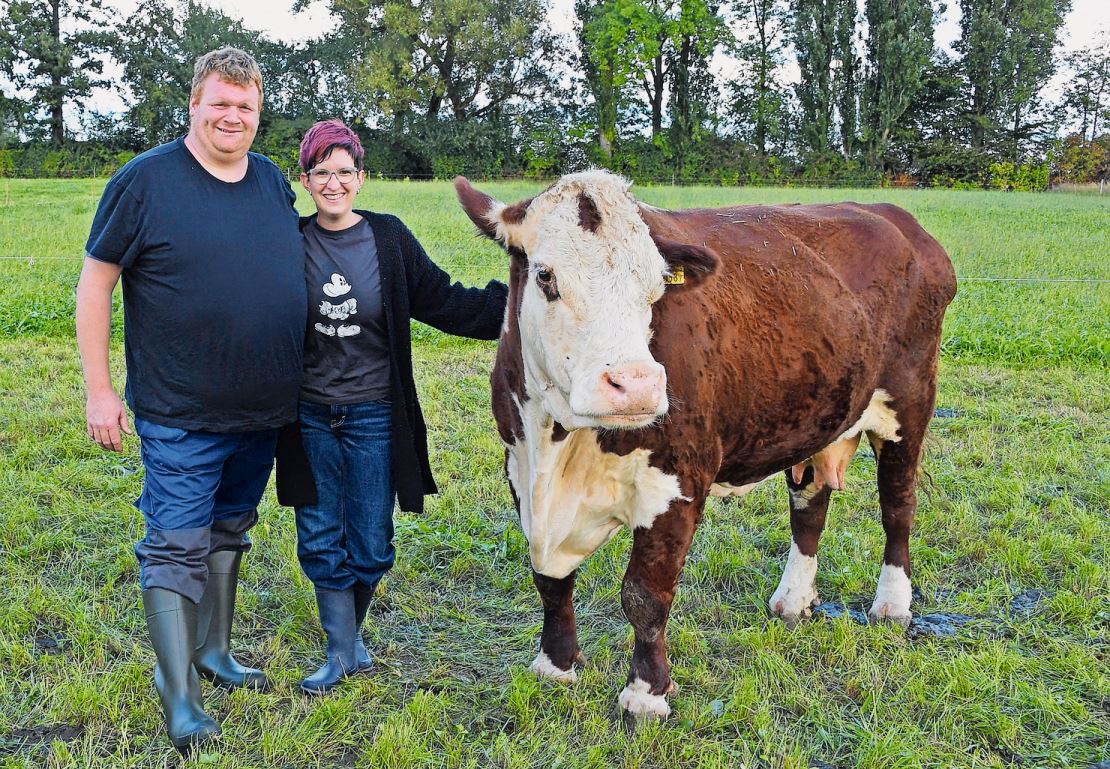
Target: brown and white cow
[(626, 394)]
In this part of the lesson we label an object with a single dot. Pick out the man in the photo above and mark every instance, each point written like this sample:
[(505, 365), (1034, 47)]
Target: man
[(205, 236)]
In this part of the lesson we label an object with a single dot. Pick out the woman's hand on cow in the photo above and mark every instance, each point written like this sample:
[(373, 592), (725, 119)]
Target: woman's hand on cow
[(106, 419)]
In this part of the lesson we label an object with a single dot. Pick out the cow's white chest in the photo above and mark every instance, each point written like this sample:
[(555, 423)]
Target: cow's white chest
[(574, 496)]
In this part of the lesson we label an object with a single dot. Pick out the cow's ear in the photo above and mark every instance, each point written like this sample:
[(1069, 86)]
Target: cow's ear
[(493, 218), (689, 265)]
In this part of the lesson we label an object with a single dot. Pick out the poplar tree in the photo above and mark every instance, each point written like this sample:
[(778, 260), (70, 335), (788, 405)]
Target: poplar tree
[(758, 100), (899, 48), (1007, 59), (822, 37)]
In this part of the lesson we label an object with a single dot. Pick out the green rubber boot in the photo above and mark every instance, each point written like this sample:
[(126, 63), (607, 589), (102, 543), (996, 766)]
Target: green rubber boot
[(215, 613), (171, 620)]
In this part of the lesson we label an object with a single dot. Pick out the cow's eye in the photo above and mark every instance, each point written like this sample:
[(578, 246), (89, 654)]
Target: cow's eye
[(545, 279)]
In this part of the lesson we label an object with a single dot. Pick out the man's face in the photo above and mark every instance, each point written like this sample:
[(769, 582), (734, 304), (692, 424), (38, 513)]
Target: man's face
[(224, 118)]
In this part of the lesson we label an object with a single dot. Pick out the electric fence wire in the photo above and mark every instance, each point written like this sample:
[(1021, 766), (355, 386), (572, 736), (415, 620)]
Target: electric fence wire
[(960, 279)]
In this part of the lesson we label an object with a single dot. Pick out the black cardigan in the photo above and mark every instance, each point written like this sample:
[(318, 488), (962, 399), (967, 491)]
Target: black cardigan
[(413, 286)]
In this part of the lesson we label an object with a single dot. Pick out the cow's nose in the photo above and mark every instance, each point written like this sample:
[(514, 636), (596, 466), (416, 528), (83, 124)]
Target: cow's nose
[(633, 388)]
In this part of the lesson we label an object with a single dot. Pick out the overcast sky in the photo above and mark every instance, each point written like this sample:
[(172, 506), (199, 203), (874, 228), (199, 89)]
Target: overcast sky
[(1086, 20)]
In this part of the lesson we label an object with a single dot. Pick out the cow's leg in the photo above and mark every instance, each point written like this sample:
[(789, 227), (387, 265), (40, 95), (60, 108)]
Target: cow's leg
[(559, 641), (897, 463), (797, 590), (658, 554)]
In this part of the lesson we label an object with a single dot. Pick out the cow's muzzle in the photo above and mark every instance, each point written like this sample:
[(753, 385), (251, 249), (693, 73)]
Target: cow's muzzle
[(630, 394)]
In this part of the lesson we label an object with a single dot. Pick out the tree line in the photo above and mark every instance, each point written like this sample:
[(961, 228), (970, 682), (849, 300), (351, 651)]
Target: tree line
[(676, 90)]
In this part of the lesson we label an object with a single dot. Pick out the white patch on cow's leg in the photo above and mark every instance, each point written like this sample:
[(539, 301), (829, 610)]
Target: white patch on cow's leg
[(637, 699), (893, 596), (797, 590), (800, 498), (543, 667)]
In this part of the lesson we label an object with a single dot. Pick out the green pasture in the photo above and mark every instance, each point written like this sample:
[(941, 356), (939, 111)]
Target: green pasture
[(1012, 544)]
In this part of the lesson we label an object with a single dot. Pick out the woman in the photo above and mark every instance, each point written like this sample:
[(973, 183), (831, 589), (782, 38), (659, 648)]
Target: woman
[(360, 420)]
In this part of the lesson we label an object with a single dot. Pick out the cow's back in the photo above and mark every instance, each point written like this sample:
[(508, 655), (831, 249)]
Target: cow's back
[(812, 309)]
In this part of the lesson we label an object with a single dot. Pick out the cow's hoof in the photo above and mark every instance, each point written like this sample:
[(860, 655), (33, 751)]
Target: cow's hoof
[(543, 667), (637, 701), (794, 604), (889, 612), (892, 597)]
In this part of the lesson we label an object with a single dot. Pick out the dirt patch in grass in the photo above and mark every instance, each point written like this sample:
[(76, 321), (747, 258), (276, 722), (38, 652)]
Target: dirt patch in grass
[(39, 738), (49, 643)]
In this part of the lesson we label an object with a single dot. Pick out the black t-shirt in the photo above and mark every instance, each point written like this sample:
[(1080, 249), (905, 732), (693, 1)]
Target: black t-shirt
[(346, 349), (213, 291)]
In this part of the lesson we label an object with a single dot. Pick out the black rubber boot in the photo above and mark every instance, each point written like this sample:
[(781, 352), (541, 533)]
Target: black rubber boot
[(171, 620), (362, 604), (212, 657), (337, 617)]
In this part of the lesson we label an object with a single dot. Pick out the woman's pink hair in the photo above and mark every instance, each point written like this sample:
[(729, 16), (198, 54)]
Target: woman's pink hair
[(326, 136)]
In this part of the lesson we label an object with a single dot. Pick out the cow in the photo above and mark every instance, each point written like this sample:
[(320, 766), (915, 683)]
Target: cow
[(652, 358)]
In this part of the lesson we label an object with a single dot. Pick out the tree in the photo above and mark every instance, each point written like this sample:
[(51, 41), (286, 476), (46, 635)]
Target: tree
[(757, 98), (611, 55), (697, 32), (1087, 93), (11, 115), (164, 38), (846, 68), (1007, 59), (652, 29), (899, 48), (823, 31), (50, 49), (469, 58)]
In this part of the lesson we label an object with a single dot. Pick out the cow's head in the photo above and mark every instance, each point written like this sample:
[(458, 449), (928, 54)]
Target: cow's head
[(585, 272)]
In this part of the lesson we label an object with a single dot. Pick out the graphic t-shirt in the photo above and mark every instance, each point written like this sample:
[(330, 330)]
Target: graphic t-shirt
[(213, 297), (346, 349)]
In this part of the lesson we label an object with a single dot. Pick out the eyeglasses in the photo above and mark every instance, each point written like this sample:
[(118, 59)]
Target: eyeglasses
[(322, 175)]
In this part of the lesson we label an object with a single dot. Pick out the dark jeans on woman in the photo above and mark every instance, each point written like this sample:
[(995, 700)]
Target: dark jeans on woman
[(347, 537)]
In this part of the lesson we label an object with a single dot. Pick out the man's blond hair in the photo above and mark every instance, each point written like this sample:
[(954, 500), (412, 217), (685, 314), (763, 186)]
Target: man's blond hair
[(231, 65)]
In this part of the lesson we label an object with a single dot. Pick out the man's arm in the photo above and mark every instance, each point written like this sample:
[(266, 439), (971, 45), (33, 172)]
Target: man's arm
[(104, 411)]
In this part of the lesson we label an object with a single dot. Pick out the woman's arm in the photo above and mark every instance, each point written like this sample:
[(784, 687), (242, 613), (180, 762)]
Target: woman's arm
[(449, 306)]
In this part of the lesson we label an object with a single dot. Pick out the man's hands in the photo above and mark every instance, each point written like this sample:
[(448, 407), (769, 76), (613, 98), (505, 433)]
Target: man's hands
[(106, 420)]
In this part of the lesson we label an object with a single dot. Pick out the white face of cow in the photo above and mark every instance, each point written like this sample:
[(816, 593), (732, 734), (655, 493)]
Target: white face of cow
[(593, 273), (585, 316)]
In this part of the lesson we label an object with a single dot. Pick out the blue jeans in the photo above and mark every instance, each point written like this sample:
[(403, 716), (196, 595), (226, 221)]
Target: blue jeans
[(346, 538), (200, 494)]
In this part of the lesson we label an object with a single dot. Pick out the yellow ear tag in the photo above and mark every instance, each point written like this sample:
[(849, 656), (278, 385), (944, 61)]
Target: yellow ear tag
[(676, 277)]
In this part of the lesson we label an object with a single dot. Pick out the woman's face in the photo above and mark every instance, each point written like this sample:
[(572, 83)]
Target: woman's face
[(333, 184)]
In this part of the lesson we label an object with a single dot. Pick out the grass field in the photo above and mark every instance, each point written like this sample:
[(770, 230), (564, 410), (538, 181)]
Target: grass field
[(1012, 549)]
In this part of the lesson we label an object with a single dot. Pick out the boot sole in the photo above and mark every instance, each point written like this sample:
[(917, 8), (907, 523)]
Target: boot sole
[(321, 690), (256, 685), (189, 742), (315, 692)]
